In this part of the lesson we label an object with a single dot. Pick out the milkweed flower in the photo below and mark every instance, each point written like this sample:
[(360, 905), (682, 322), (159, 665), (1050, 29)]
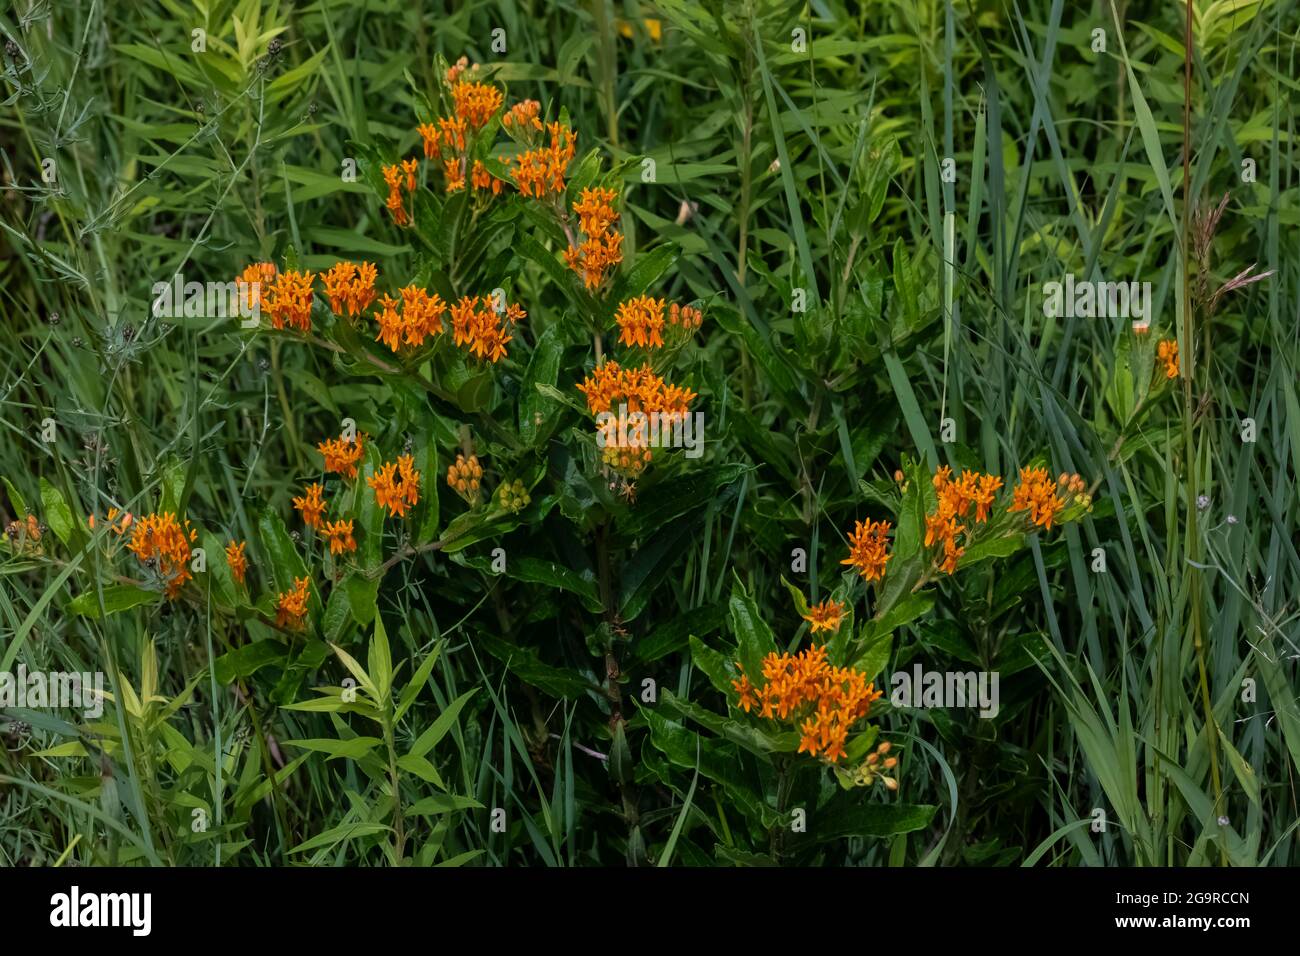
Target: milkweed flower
[(396, 486), (513, 496), (540, 172), (291, 605), (342, 455), (311, 505), (430, 139), (1036, 494), (453, 133), (454, 170), (594, 257), (236, 560), (457, 70), (523, 117), (1167, 351), (289, 302), (685, 317), (396, 176), (641, 322), (350, 287), (805, 689), (25, 536), (476, 324), (595, 210), (254, 285), (339, 536), (825, 616), (482, 178), (868, 546), (163, 542), (476, 103), (610, 389), (420, 317), (464, 476), (602, 249), (118, 527)]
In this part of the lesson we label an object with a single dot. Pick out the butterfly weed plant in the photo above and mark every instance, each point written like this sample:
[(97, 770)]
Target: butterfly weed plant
[(648, 437)]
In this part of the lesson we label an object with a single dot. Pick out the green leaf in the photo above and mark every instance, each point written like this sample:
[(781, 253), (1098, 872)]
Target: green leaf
[(440, 803), (422, 769), (875, 654), (57, 513), (418, 681), (354, 749), (753, 635), (872, 819), (15, 499), (537, 412), (380, 662), (525, 664), (340, 834), (119, 597), (286, 563), (1000, 547), (363, 597), (756, 741), (248, 660), (714, 664), (439, 728)]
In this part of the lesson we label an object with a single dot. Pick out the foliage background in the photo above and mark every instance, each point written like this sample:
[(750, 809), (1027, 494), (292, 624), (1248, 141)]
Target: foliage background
[(817, 170)]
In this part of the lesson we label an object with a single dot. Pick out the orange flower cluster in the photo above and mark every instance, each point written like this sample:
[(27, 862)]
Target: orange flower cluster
[(540, 171), (1036, 493), (119, 527), (868, 546), (25, 536), (476, 103), (464, 477), (481, 178), (160, 538), (612, 388), (475, 323), (255, 284), (523, 116), (342, 454), (311, 506), (1167, 351), (397, 486), (595, 210), (603, 247), (641, 321), (339, 535), (237, 561), (825, 616), (610, 385), (400, 176), (289, 302), (456, 69), (685, 317), (825, 701), (420, 317), (291, 605), (349, 286), (955, 499)]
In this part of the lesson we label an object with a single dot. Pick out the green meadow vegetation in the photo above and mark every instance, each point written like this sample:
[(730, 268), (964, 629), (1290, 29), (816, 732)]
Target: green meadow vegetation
[(976, 324)]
